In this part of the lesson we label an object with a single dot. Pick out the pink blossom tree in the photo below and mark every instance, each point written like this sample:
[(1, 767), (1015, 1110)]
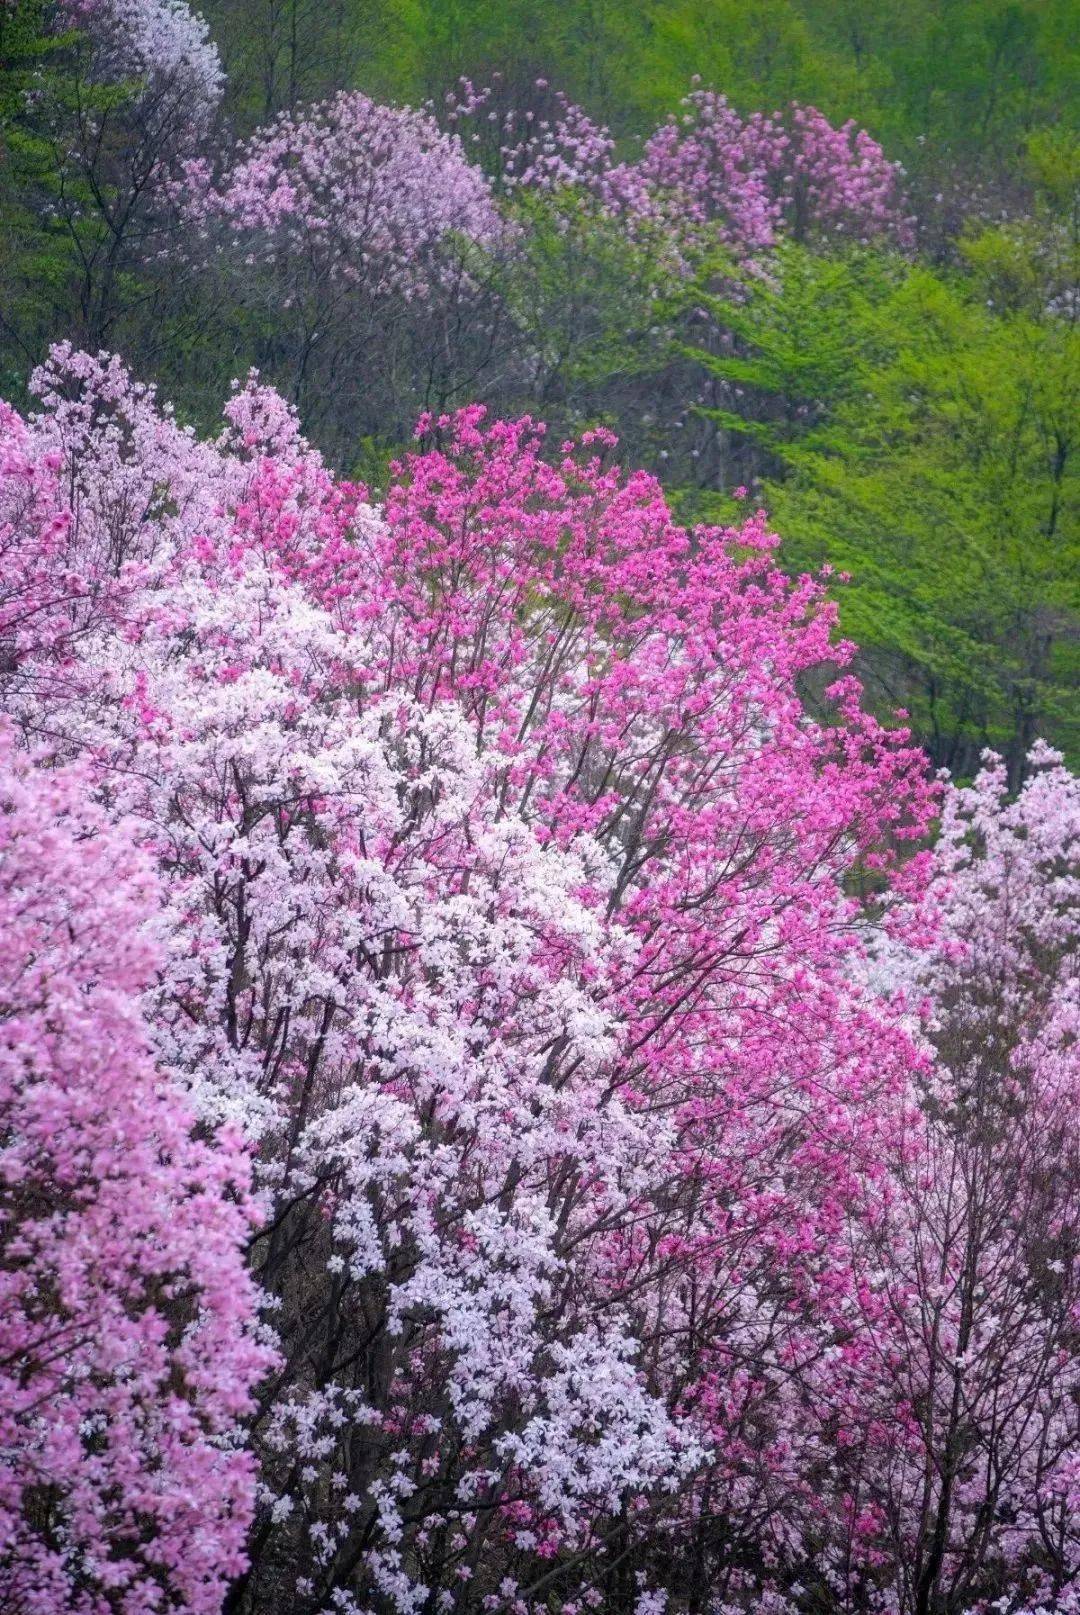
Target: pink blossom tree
[(540, 141), (369, 236), (370, 193), (972, 1276), (128, 1351), (505, 912), (709, 175), (754, 178)]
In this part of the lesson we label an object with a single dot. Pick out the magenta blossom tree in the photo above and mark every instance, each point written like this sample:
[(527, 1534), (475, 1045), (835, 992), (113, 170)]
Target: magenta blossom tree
[(755, 178)]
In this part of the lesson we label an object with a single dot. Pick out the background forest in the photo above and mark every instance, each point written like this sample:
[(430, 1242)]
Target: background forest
[(904, 400), (539, 833)]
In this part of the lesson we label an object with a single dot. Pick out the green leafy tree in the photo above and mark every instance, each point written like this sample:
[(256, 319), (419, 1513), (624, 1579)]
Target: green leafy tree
[(779, 354), (928, 445), (590, 309), (32, 260)]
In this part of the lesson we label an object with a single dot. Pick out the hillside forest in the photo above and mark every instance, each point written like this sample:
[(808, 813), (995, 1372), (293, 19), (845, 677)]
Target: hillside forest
[(539, 833)]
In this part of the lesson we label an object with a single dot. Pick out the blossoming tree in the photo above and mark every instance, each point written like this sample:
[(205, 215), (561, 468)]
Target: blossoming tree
[(706, 175), (977, 1251), (128, 1349), (505, 912), (363, 228)]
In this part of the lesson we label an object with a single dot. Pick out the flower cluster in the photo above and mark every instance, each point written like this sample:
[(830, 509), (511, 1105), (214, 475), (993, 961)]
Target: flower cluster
[(128, 1354), (160, 44), (368, 195), (626, 1178), (706, 175), (761, 176), (503, 911)]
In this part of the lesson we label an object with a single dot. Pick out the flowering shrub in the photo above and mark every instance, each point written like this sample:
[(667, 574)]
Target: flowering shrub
[(127, 1357), (503, 910), (352, 191), (162, 45), (708, 174)]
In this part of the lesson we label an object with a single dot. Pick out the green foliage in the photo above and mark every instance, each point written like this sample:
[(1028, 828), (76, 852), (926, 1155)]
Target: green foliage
[(1032, 264), (787, 338), (32, 259), (277, 53), (25, 47), (588, 304), (943, 476)]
